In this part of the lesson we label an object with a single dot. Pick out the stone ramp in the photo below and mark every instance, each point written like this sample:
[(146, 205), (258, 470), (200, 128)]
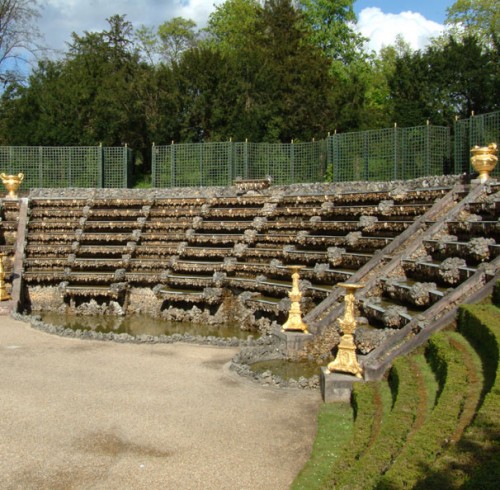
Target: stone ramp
[(94, 415)]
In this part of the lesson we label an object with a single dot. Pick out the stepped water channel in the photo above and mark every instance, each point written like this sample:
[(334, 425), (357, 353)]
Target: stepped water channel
[(208, 259)]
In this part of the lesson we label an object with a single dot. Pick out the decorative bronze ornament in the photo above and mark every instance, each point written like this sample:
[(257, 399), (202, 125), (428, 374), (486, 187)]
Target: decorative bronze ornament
[(12, 183), (295, 322), (346, 360), (484, 160)]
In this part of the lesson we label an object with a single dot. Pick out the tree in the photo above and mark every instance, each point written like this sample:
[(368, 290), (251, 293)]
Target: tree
[(176, 36), (19, 36), (331, 29), (300, 86), (233, 23), (480, 18), (86, 98), (446, 80)]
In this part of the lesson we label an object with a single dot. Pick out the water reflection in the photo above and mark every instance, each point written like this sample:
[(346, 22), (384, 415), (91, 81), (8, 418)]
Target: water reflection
[(287, 369), (137, 325)]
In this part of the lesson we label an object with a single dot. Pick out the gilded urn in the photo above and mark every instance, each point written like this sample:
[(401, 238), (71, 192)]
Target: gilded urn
[(12, 183), (484, 160)]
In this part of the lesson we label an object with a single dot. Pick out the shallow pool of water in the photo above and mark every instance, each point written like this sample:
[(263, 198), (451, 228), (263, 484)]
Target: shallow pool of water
[(136, 325), (287, 369)]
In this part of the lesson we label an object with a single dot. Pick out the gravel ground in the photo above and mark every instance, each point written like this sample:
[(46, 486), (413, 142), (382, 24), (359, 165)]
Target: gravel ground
[(99, 415)]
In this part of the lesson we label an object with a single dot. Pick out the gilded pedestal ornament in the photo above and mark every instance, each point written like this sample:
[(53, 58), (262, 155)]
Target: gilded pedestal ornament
[(12, 183), (295, 322), (4, 295), (484, 160), (346, 360)]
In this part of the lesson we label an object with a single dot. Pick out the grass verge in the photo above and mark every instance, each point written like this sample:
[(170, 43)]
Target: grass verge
[(335, 423)]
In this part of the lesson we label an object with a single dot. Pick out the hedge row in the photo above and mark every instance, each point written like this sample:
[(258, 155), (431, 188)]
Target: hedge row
[(480, 324), (368, 412), (416, 458), (366, 471), (412, 445)]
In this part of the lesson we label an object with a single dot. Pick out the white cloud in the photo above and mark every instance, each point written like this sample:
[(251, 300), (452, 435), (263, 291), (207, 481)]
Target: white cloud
[(62, 17), (381, 29)]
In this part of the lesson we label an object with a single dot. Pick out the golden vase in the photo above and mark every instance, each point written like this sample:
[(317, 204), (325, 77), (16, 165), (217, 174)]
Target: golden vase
[(484, 160), (346, 360), (295, 322), (12, 183)]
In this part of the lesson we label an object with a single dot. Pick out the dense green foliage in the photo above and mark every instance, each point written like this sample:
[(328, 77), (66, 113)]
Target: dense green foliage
[(264, 71)]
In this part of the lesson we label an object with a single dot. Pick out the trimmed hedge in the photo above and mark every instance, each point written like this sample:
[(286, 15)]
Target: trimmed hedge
[(420, 452), (394, 431), (480, 324), (368, 412)]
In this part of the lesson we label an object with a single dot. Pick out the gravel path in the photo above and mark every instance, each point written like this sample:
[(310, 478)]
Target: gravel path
[(99, 415)]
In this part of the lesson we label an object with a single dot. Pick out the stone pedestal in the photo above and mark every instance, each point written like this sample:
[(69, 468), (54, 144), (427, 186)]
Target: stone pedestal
[(336, 387), (295, 341)]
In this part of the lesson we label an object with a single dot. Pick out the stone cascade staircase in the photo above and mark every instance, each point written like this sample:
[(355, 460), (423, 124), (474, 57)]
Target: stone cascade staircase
[(190, 249), (448, 255)]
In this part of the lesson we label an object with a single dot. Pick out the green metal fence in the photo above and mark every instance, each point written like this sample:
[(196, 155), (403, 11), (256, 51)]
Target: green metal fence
[(82, 166), (205, 164), (387, 154), (477, 130)]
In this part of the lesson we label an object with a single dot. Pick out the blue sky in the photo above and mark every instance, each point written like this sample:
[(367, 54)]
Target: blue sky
[(380, 20), (431, 9)]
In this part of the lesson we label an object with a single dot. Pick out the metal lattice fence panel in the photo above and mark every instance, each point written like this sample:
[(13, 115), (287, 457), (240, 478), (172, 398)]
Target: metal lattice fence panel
[(53, 166), (64, 166), (308, 161), (477, 130), (365, 155), (206, 164), (388, 154), (116, 167), (424, 151)]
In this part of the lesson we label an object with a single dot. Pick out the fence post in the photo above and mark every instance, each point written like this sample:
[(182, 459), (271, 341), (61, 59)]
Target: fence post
[(40, 166), (200, 146), (125, 166), (292, 164), (456, 148), (172, 165), (245, 159), (70, 176), (153, 165), (395, 172), (427, 149), (100, 168), (230, 161), (366, 157)]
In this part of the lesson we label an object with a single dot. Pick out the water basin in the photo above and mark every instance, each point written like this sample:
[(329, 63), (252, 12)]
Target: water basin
[(137, 325), (287, 369)]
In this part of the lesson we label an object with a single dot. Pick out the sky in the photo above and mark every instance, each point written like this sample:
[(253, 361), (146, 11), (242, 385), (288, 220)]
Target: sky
[(379, 20)]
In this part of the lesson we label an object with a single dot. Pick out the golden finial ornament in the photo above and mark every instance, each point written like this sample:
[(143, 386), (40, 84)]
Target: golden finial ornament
[(12, 183), (4, 295), (484, 160), (346, 360), (295, 322)]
